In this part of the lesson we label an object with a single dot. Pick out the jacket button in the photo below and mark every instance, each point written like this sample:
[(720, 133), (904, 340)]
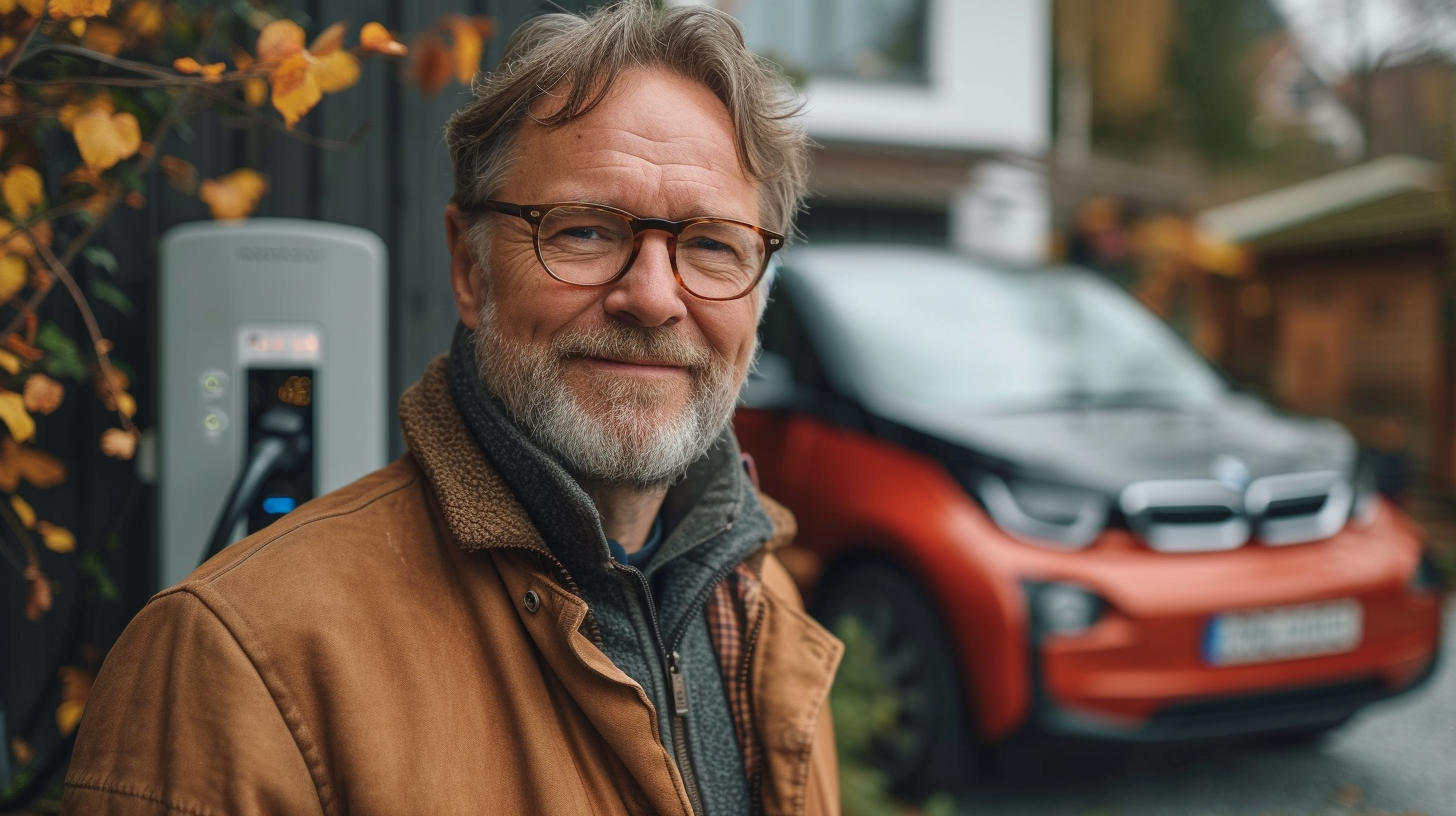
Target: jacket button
[(533, 601)]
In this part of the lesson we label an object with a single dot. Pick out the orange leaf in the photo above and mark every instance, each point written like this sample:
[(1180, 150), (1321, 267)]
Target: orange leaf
[(180, 173), (35, 466), (56, 539), (76, 684), (70, 113), (38, 598), (376, 39), (432, 64), (77, 27), (118, 444), (108, 39), (279, 40), (43, 395), (15, 417), (23, 190), (295, 91), (335, 72), (9, 362), (21, 750), (329, 41), (145, 19), (469, 46), (13, 274), (255, 92), (234, 195), (61, 9), (23, 509), (484, 25), (107, 139), (126, 404)]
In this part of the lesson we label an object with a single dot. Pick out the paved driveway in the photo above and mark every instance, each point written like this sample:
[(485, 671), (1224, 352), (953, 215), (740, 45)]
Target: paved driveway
[(1397, 757)]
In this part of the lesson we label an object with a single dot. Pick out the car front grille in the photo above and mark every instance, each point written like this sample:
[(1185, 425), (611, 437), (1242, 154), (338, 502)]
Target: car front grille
[(1199, 515)]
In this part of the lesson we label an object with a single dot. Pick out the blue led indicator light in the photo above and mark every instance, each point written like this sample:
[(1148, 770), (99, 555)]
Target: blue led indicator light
[(278, 505)]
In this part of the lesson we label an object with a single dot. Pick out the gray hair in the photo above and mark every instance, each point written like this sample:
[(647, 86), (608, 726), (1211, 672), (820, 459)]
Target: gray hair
[(581, 57)]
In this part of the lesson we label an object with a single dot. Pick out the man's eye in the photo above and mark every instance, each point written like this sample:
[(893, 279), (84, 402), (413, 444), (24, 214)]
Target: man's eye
[(581, 233)]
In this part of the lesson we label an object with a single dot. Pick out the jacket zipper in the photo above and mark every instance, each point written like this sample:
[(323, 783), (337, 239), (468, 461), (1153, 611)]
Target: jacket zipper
[(677, 687), (745, 680)]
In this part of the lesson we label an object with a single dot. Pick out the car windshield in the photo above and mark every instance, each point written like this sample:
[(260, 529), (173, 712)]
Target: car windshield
[(942, 333)]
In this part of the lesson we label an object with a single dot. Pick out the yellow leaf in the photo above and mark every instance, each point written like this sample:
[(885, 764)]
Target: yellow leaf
[(234, 195), (43, 395), (23, 509), (279, 40), (126, 404), (76, 684), (295, 91), (9, 362), (329, 41), (23, 190), (7, 45), (68, 716), (77, 27), (33, 7), (21, 750), (469, 46), (108, 39), (107, 139), (118, 444), (145, 19), (15, 417), (35, 466), (56, 539), (61, 9), (70, 113), (335, 72), (255, 92), (376, 39), (13, 274)]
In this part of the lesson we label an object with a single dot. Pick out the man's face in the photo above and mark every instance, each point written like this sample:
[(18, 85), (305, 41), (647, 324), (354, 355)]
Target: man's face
[(629, 382)]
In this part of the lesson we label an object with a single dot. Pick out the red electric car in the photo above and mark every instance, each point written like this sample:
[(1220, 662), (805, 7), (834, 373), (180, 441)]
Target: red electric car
[(1053, 518)]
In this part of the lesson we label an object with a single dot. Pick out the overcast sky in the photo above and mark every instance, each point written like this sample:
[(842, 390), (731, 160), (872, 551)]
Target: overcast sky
[(1324, 28)]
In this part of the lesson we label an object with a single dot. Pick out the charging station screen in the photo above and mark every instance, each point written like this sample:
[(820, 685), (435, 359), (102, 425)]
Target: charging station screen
[(292, 389)]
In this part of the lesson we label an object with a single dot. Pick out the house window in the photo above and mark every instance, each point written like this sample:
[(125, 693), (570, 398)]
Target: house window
[(868, 40)]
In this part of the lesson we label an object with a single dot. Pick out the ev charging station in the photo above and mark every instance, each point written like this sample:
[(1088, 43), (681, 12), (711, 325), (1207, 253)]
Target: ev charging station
[(273, 375)]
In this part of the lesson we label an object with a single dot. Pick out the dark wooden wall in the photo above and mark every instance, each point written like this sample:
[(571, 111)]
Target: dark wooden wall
[(394, 181)]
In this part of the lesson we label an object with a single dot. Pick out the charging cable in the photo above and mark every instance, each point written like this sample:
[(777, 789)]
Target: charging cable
[(283, 445)]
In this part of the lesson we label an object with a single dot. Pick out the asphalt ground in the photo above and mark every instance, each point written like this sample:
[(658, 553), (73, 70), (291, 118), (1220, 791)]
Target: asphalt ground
[(1396, 758)]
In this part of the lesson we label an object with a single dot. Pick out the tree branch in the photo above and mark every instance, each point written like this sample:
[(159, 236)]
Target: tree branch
[(20, 52)]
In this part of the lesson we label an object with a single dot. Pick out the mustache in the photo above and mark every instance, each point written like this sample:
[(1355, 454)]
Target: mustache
[(621, 341)]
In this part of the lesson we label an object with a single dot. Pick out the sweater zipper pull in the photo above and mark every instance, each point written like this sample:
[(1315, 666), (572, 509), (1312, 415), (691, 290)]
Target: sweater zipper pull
[(679, 686)]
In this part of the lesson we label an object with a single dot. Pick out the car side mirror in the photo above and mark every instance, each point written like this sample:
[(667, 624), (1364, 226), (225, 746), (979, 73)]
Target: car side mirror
[(770, 384)]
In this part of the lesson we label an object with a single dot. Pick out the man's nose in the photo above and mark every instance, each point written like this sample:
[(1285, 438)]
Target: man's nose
[(648, 295)]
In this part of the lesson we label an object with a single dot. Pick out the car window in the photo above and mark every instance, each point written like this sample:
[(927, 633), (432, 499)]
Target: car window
[(945, 334)]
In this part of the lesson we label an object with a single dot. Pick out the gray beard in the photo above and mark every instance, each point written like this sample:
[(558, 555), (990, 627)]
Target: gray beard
[(624, 434)]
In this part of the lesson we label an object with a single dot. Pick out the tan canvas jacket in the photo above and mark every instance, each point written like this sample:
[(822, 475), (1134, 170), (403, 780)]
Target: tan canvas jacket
[(374, 653)]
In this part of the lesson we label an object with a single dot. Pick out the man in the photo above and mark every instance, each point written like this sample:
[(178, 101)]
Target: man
[(562, 599)]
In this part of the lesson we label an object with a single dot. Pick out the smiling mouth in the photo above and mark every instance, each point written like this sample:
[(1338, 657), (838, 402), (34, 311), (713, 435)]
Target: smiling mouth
[(634, 366)]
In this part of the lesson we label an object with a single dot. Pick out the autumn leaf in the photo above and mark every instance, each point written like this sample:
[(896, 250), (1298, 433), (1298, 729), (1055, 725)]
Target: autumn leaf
[(38, 598), (75, 110), (13, 273), (43, 395), (376, 39), (23, 511), (469, 46), (336, 71), (107, 39), (35, 466), (76, 686), (15, 417), (21, 750), (9, 362), (145, 19), (180, 173), (295, 89), (77, 27), (212, 72), (278, 41), (329, 41), (235, 195), (61, 9), (126, 404), (56, 539), (255, 92), (23, 190), (432, 64), (31, 7), (118, 444), (107, 139)]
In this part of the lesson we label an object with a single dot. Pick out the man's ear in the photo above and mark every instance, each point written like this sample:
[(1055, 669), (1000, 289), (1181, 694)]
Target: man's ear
[(466, 279)]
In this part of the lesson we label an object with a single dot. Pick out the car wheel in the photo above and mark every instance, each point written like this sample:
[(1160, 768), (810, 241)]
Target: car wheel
[(928, 748)]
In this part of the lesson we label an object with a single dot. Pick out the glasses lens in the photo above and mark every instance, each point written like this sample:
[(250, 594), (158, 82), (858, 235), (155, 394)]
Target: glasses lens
[(584, 245), (719, 260)]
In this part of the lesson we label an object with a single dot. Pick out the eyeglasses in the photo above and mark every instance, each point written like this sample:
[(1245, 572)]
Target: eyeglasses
[(594, 245)]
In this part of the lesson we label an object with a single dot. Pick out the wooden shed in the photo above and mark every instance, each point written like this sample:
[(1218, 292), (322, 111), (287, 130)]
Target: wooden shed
[(1343, 315)]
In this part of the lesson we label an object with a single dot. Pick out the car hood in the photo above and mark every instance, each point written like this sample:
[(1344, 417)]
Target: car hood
[(1108, 448)]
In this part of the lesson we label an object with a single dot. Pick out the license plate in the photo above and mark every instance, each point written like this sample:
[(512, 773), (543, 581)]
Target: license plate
[(1283, 634)]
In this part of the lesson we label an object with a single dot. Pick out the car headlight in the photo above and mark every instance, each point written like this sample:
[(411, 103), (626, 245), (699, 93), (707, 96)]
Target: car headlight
[(1062, 609), (1045, 513)]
